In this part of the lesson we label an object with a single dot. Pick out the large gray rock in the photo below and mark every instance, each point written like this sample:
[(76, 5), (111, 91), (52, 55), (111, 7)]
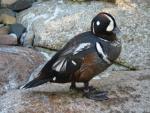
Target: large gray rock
[(52, 24), (58, 23), (16, 65), (128, 93)]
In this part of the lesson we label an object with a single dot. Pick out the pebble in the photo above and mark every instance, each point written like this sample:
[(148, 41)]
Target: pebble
[(8, 40), (1, 25), (21, 5), (7, 11), (18, 30), (5, 3), (7, 19), (4, 30)]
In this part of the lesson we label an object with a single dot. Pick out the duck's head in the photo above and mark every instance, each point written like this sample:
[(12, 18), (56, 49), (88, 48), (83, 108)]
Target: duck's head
[(104, 23)]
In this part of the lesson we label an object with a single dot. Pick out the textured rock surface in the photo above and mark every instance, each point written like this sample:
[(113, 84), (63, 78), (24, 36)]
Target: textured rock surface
[(128, 92), (16, 64), (7, 2), (18, 30), (7, 19), (52, 24), (21, 5), (4, 30), (8, 40), (7, 11)]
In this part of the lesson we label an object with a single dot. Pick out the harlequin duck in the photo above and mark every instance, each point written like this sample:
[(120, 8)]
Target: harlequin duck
[(83, 57)]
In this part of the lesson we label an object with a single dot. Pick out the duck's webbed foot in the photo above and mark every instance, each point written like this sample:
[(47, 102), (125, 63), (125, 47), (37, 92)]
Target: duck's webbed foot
[(94, 94), (97, 95)]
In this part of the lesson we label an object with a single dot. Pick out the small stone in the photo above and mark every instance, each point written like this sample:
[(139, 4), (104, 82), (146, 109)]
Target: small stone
[(8, 40), (4, 30), (7, 2), (17, 29), (1, 25), (7, 19), (7, 11), (112, 1), (21, 5), (78, 0)]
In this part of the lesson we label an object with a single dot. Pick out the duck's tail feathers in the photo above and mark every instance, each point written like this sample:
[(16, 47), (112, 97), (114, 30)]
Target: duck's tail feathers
[(34, 83)]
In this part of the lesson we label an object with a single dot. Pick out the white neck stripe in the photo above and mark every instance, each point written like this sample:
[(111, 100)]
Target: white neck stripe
[(100, 51)]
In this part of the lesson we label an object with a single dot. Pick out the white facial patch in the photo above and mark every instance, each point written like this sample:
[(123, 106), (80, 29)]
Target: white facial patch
[(100, 51), (98, 23), (111, 26), (81, 47)]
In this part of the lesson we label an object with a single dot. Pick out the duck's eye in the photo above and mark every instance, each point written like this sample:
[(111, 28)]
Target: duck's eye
[(98, 23)]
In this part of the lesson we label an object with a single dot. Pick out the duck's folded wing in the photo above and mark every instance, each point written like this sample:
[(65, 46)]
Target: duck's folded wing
[(70, 59)]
